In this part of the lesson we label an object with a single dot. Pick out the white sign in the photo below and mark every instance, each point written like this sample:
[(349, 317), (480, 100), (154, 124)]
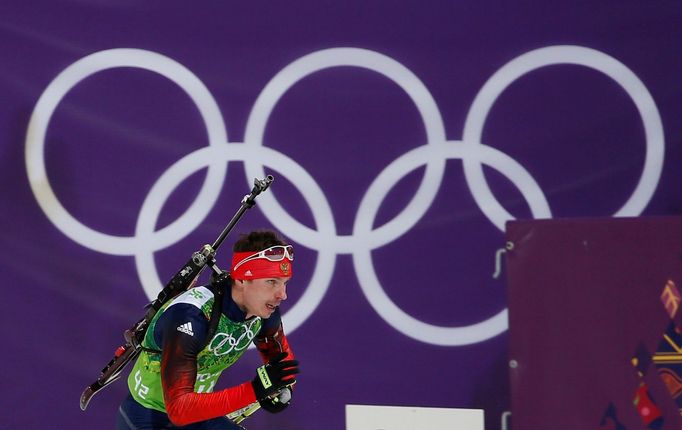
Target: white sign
[(364, 417)]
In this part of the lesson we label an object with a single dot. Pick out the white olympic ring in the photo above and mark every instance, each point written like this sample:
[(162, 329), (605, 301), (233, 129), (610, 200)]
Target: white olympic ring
[(653, 128), (473, 153), (37, 129)]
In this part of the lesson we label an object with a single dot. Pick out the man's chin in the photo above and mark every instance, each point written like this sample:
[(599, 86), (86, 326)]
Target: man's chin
[(267, 312)]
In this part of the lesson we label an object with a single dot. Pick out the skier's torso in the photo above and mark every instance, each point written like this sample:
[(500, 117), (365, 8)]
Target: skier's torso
[(189, 314)]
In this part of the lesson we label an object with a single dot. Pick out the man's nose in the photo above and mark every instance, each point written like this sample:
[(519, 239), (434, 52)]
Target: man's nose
[(281, 293)]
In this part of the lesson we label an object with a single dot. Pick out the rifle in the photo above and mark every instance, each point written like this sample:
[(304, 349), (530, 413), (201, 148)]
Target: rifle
[(182, 281)]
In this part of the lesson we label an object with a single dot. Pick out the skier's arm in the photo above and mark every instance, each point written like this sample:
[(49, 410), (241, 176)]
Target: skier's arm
[(271, 339), (270, 342)]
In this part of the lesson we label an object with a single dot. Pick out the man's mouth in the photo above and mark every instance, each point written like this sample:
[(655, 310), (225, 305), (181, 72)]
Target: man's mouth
[(270, 307)]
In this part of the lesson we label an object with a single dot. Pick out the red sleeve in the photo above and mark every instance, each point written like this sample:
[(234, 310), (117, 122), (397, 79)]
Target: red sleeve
[(178, 376), (272, 342)]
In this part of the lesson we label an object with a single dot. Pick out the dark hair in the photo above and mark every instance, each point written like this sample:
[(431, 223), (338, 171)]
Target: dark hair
[(257, 240)]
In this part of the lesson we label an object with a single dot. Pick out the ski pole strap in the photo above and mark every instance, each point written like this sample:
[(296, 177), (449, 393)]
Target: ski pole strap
[(264, 378)]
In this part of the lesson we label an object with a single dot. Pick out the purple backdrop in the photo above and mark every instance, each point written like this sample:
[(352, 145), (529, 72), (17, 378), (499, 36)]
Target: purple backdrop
[(375, 117), (585, 297)]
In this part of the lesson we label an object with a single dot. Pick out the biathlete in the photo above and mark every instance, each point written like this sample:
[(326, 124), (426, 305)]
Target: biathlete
[(171, 384)]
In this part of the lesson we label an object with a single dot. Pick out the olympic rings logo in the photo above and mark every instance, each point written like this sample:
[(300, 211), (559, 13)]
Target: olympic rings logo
[(220, 151)]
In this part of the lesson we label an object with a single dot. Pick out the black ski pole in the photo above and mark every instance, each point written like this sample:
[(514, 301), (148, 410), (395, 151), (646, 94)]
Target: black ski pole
[(182, 280)]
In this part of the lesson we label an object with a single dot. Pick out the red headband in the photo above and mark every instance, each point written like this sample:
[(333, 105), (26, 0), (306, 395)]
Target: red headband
[(259, 268)]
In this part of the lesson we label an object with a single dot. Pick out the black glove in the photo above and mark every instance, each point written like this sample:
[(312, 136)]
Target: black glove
[(274, 376), (278, 403)]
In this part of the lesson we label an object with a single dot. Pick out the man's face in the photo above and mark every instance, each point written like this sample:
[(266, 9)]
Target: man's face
[(262, 296)]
